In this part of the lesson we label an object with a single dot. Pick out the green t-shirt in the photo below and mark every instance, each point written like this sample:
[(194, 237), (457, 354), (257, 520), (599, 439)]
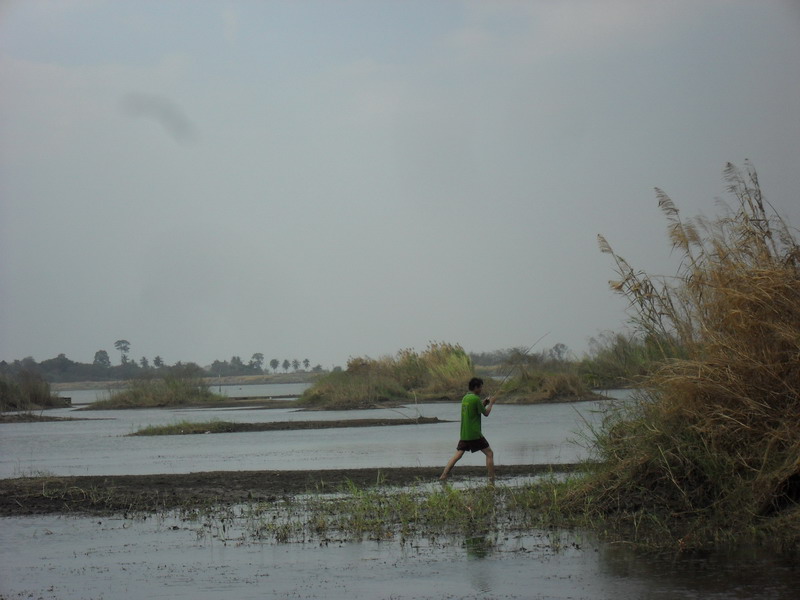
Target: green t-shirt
[(471, 410)]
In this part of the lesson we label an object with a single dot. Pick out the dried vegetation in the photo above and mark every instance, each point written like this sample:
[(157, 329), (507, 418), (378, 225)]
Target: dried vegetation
[(442, 370), (709, 451)]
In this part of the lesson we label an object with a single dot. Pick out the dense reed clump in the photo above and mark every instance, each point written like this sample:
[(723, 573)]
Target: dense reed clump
[(442, 370), (539, 386), (710, 450), (620, 360), (26, 391), (520, 376), (169, 391)]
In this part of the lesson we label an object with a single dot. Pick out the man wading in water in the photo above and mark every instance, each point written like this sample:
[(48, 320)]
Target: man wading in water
[(471, 438)]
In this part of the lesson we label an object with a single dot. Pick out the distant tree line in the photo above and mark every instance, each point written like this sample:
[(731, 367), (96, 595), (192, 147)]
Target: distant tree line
[(257, 366), (614, 360), (62, 369)]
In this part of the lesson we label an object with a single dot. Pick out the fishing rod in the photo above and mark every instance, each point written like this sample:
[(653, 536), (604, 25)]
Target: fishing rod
[(519, 358)]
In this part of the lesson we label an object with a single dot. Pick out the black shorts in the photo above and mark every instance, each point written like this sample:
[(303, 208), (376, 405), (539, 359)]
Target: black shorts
[(473, 445)]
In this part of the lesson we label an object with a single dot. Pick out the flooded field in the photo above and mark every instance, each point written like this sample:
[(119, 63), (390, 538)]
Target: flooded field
[(170, 556)]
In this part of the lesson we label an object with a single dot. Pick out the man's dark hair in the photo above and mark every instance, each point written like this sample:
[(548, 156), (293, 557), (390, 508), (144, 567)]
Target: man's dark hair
[(475, 383)]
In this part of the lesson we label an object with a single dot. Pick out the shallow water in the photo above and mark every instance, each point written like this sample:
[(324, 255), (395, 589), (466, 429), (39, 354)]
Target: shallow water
[(60, 557), (545, 433), (66, 557)]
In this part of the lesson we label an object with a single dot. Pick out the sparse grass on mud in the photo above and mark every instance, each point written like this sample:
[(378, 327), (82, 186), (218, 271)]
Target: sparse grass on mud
[(407, 514), (43, 493), (217, 426)]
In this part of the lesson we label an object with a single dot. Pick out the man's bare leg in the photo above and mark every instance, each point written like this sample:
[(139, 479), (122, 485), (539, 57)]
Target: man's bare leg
[(489, 463), (456, 457)]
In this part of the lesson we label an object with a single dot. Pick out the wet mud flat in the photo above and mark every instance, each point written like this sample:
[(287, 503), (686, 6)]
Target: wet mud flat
[(52, 557), (118, 537), (99, 494)]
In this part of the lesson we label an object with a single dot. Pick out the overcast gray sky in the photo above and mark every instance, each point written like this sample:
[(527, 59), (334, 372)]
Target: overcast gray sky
[(330, 179)]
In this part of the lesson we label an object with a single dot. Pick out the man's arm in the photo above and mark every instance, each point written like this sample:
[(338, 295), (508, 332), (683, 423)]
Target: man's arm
[(488, 404)]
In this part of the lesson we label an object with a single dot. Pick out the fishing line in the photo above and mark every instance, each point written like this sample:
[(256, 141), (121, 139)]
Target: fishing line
[(519, 360)]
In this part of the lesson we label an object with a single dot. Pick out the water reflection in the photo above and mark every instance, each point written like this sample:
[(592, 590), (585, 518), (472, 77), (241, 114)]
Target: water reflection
[(481, 573), (737, 573), (478, 547), (168, 556)]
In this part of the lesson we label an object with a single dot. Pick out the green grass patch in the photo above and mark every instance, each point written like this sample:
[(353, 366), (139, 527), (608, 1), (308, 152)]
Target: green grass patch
[(552, 504), (190, 428), (407, 514)]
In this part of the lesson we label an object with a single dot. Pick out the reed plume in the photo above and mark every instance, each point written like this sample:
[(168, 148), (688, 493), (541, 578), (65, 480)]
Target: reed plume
[(711, 443)]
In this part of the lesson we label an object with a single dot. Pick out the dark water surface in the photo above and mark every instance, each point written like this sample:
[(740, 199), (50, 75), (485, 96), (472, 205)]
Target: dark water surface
[(65, 557)]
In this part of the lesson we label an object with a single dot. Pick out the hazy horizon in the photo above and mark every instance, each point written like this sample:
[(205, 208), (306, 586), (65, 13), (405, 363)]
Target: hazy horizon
[(327, 180)]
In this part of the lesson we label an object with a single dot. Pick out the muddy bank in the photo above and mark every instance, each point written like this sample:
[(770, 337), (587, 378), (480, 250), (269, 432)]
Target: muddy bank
[(31, 418), (152, 493), (231, 427)]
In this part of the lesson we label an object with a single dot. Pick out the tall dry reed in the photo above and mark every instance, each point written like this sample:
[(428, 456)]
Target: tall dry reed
[(711, 445)]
